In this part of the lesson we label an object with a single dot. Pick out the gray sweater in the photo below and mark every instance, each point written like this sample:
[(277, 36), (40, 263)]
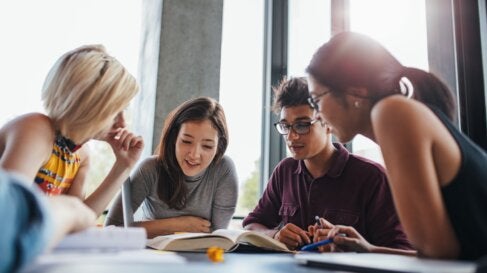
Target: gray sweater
[(212, 195)]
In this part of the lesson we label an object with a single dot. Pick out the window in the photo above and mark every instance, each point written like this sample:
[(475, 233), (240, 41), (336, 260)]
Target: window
[(309, 28), (241, 83), (401, 27), (393, 23), (33, 38)]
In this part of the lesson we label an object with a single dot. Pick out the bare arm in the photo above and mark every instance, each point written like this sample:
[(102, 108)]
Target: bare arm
[(355, 242), (69, 215), (27, 143), (405, 129), (175, 224), (127, 151)]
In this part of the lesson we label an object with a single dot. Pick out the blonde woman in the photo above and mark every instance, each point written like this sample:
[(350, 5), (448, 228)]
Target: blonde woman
[(84, 96)]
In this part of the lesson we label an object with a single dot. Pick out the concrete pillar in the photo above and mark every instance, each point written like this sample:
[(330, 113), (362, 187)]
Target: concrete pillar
[(144, 105), (180, 59)]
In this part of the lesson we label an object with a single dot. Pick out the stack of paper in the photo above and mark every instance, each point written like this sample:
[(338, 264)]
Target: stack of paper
[(105, 239)]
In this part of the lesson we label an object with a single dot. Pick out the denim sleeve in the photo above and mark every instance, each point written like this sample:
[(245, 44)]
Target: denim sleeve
[(26, 224)]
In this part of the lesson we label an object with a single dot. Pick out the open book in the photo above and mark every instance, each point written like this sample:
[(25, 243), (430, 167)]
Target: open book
[(229, 240)]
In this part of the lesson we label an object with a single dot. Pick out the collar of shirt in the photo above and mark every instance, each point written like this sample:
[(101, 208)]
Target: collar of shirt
[(339, 161)]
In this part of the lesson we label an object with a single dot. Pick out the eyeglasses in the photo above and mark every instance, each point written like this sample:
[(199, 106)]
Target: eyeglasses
[(313, 102), (300, 127)]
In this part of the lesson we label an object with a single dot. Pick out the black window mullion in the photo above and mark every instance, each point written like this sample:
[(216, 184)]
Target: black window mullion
[(275, 67)]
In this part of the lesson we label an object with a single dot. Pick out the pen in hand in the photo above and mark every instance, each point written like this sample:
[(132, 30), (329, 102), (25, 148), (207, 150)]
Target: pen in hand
[(314, 246), (317, 219)]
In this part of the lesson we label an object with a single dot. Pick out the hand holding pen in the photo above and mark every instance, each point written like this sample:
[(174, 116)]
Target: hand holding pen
[(292, 236), (319, 235), (353, 241), (315, 246), (320, 229), (340, 239)]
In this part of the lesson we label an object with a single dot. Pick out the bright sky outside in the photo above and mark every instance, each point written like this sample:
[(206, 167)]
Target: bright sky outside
[(36, 33)]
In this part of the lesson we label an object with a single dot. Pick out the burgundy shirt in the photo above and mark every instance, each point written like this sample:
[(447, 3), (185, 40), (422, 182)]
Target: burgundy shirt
[(354, 192)]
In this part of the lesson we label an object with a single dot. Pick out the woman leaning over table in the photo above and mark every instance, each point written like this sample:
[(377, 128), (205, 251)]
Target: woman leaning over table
[(84, 96), (189, 185), (438, 176)]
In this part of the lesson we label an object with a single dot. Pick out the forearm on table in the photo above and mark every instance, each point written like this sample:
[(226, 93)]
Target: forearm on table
[(388, 250), (159, 227)]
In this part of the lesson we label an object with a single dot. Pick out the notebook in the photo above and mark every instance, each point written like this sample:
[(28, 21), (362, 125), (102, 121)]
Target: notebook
[(373, 262), (144, 256), (109, 238)]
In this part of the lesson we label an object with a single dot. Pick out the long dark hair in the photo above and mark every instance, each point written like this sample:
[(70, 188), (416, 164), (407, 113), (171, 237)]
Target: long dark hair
[(350, 59), (171, 188)]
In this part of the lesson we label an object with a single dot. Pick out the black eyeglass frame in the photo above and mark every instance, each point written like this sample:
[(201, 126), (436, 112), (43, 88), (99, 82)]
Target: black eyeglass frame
[(287, 129), (313, 102)]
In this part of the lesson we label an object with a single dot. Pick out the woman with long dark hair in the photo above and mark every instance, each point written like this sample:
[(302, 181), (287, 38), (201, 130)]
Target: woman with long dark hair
[(437, 175), (189, 185)]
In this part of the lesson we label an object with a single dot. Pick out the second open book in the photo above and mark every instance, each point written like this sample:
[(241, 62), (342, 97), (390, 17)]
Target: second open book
[(229, 240)]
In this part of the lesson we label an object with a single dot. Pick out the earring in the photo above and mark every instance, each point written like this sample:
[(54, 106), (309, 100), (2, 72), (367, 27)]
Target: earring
[(356, 104)]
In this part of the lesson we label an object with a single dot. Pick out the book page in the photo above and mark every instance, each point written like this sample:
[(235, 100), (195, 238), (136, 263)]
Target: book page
[(232, 234), (263, 241), (228, 239), (252, 237), (160, 242), (190, 242)]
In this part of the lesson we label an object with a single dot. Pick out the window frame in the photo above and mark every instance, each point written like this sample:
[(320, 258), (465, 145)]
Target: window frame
[(455, 42)]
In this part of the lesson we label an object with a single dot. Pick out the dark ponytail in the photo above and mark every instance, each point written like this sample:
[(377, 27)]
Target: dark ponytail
[(431, 91)]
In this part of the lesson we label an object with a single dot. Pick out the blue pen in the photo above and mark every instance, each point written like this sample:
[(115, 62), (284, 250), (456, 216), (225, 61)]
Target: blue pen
[(314, 246)]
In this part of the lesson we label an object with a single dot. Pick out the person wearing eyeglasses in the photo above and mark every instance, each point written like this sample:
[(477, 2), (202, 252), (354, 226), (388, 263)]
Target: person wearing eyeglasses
[(322, 179), (437, 175)]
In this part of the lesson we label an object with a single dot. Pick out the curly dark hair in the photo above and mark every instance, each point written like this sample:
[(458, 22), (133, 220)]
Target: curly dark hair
[(290, 92)]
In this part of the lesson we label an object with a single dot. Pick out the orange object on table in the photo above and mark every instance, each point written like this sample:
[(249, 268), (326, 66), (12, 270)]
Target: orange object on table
[(215, 254)]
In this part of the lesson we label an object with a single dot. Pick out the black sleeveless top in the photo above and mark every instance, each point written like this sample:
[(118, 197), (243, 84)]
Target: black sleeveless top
[(466, 196)]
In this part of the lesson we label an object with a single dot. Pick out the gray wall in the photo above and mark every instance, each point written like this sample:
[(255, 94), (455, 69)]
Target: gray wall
[(179, 59)]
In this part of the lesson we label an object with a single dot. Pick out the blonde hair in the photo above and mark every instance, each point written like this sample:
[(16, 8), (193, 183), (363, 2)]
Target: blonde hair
[(84, 91)]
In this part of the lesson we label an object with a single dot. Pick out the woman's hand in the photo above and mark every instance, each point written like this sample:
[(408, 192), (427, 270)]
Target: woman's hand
[(320, 233), (192, 224), (126, 146), (351, 242)]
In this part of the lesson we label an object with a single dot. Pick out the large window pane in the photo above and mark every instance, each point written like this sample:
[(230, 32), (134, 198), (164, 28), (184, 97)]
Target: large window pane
[(36, 33), (309, 27), (400, 25), (241, 84)]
